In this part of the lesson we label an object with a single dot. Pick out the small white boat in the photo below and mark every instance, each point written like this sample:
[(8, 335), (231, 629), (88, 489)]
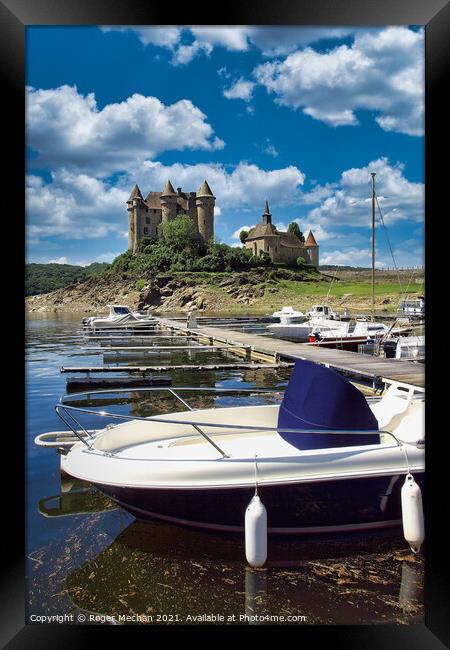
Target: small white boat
[(298, 331), (413, 307), (119, 316), (302, 329), (289, 315), (325, 460), (405, 347), (349, 334), (323, 311)]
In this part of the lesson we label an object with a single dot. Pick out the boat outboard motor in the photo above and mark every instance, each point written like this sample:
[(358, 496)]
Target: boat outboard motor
[(390, 348), (319, 398)]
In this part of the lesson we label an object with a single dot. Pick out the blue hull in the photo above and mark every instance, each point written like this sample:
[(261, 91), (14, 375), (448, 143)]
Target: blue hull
[(303, 508)]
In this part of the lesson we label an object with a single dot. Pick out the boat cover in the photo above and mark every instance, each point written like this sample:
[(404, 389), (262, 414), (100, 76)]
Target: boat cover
[(319, 398)]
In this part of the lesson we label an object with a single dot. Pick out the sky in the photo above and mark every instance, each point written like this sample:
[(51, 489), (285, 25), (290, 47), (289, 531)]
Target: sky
[(299, 116)]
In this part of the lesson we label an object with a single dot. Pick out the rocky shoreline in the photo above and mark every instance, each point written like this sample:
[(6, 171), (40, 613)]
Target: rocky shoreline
[(256, 290), (168, 292)]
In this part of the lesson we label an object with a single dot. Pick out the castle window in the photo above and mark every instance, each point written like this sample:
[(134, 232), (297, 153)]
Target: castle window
[(145, 231), (147, 219)]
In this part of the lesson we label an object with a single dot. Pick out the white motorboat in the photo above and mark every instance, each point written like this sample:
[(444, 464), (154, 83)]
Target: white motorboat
[(119, 316), (301, 330), (413, 308), (324, 459), (331, 333), (322, 312), (350, 334), (405, 347), (289, 315), (298, 331)]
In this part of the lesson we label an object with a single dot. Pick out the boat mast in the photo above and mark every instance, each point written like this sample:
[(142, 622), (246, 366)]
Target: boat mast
[(373, 242)]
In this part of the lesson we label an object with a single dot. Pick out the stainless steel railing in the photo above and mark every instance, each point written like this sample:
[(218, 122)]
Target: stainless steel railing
[(65, 412)]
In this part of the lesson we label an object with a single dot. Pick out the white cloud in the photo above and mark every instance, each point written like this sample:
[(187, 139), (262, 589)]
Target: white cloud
[(348, 257), (232, 38), (104, 257), (270, 150), (185, 53), (78, 206), (271, 41), (242, 186), (237, 232), (355, 256), (165, 36), (74, 206), (275, 41), (67, 128), (320, 233), (241, 89), (59, 260), (349, 203), (382, 72)]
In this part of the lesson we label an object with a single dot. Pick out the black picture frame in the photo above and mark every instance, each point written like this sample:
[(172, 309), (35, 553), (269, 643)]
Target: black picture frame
[(15, 16)]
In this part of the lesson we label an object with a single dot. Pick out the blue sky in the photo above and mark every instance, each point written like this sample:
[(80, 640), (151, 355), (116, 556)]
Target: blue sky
[(297, 115)]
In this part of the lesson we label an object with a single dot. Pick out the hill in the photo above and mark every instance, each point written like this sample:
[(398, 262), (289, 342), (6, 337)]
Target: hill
[(252, 291), (43, 278)]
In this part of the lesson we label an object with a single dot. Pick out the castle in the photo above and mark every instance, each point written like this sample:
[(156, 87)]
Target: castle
[(282, 246), (144, 215)]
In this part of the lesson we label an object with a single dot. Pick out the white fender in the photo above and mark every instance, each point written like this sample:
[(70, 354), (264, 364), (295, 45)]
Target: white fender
[(256, 533), (412, 513)]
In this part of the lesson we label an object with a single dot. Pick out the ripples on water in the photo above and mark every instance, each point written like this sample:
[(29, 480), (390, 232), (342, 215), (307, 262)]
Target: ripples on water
[(87, 556)]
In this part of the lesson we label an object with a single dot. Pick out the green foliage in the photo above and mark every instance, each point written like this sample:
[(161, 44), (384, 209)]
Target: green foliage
[(243, 236), (43, 278), (121, 263), (179, 234), (294, 229), (301, 262), (264, 258), (140, 284), (144, 244)]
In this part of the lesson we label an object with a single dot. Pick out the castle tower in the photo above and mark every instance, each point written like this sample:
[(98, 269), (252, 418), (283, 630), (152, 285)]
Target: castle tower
[(266, 217), (168, 203), (313, 249), (135, 204), (205, 212)]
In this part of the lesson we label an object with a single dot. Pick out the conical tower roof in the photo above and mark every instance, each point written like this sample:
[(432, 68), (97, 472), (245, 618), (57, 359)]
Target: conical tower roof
[(135, 193), (266, 207), (310, 240), (204, 190), (168, 189)]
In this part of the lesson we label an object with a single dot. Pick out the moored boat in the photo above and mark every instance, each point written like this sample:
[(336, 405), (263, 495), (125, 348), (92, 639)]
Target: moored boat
[(325, 460), (350, 334), (289, 315), (323, 312), (119, 316)]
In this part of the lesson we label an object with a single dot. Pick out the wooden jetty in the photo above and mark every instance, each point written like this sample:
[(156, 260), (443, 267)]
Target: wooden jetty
[(165, 348), (146, 369), (75, 384), (372, 369)]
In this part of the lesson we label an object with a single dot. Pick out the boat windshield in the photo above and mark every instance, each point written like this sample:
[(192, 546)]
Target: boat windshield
[(121, 310)]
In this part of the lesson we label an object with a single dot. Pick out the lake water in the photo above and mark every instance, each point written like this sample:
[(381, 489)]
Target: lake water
[(92, 562)]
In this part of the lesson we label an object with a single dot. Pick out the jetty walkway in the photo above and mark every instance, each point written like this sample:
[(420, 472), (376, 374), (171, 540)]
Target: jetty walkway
[(265, 348)]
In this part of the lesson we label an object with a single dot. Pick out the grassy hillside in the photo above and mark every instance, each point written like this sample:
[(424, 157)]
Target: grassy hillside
[(43, 278)]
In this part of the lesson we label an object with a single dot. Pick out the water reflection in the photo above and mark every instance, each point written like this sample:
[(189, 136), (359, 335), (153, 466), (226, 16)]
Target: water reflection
[(87, 555), (154, 569)]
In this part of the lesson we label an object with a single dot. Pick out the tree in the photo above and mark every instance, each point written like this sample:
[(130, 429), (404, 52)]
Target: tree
[(301, 261), (243, 236), (179, 234), (294, 229)]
